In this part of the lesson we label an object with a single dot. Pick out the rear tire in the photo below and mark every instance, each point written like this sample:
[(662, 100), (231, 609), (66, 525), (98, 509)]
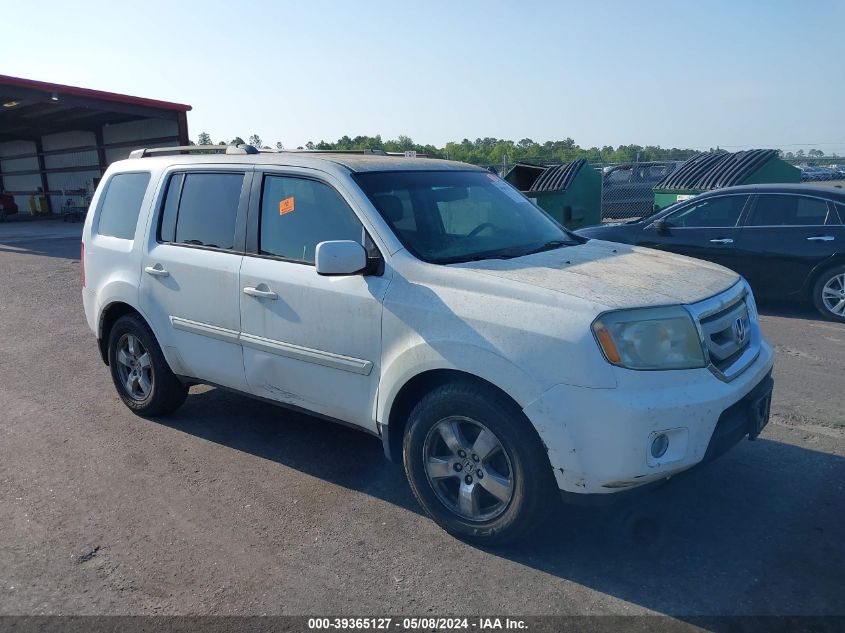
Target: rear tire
[(829, 294), (476, 465), (139, 370)]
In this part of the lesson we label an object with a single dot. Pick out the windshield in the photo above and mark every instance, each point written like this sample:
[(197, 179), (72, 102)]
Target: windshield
[(445, 217)]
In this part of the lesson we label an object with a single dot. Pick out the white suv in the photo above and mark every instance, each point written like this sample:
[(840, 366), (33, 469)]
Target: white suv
[(497, 355)]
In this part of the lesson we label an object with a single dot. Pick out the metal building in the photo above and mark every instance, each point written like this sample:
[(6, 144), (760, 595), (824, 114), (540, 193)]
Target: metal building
[(56, 141)]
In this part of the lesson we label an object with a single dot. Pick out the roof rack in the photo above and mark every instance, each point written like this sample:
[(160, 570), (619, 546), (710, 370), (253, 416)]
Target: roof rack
[(242, 149), (377, 152), (194, 149)]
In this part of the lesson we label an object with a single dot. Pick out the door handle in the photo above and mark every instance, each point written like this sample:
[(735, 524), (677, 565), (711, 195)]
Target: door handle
[(260, 294), (156, 271), (821, 238), (724, 240)]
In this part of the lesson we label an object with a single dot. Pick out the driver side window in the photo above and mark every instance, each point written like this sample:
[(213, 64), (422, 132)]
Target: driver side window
[(299, 213), (720, 212)]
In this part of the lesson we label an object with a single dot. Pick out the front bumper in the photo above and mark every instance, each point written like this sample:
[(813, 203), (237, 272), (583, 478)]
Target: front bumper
[(599, 440)]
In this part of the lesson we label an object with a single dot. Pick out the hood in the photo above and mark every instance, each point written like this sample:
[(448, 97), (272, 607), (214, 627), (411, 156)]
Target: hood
[(614, 275)]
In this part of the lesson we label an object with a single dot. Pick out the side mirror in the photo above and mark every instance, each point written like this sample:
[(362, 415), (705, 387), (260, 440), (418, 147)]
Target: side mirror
[(661, 226), (341, 257)]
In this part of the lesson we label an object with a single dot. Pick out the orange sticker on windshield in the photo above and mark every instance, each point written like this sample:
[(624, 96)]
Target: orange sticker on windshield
[(286, 206)]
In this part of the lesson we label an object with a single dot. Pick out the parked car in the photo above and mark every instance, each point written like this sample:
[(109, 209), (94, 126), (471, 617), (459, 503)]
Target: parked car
[(8, 206), (786, 240), (814, 173), (628, 189), (498, 356)]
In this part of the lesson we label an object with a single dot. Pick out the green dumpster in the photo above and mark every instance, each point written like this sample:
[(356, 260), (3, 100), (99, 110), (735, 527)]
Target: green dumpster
[(570, 193), (714, 170)]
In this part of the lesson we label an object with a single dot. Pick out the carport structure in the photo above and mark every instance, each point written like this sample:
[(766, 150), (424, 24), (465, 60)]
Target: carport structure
[(56, 141)]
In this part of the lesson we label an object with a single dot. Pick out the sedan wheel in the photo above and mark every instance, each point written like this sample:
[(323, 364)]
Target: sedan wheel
[(833, 295), (829, 294)]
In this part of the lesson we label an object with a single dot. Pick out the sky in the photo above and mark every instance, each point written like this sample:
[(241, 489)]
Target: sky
[(680, 73)]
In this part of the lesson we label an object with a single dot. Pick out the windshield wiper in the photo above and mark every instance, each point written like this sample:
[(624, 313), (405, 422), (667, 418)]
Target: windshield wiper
[(549, 246)]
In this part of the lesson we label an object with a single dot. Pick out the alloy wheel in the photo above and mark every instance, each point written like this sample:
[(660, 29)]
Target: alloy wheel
[(134, 367), (468, 468), (833, 295)]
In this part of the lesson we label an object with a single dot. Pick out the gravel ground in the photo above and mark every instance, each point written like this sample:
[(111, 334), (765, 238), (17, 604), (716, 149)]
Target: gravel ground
[(233, 506)]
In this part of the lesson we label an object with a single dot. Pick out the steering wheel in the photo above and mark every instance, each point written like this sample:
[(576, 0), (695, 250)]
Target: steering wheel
[(481, 227)]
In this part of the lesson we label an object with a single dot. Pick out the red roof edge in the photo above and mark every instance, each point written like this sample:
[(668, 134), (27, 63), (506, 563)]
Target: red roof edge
[(87, 92)]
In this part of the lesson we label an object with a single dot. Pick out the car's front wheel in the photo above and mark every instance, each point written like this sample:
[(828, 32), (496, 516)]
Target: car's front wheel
[(476, 465), (829, 294), (139, 370)]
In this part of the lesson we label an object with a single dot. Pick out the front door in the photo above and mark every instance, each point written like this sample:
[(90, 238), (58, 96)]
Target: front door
[(189, 279), (706, 229), (308, 340)]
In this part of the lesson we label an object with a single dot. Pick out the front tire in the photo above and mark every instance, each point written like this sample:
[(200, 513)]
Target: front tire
[(139, 370), (829, 294), (476, 465)]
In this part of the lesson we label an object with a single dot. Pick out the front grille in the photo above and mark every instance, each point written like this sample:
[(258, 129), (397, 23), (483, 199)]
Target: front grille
[(731, 337), (721, 337)]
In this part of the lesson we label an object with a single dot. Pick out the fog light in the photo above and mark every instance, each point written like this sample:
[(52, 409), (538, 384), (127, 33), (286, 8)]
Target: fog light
[(659, 445)]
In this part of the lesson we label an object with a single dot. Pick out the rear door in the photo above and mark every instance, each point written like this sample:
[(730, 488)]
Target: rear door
[(189, 279), (706, 228), (785, 237)]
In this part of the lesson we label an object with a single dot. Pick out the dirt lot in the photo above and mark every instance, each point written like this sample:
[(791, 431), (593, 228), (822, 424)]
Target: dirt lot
[(233, 506)]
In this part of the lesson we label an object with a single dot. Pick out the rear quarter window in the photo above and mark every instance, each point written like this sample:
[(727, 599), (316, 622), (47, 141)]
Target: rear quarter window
[(121, 204)]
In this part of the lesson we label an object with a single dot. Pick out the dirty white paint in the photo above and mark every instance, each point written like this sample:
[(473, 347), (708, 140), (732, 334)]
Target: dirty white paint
[(345, 346)]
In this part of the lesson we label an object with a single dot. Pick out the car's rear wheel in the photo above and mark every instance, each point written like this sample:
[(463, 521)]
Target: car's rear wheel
[(476, 465), (139, 370), (829, 294)]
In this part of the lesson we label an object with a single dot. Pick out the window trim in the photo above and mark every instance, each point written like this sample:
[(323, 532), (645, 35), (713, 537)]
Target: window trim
[(240, 215), (253, 229), (102, 200), (739, 220), (757, 196)]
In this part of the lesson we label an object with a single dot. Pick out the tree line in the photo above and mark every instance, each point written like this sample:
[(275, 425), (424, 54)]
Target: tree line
[(494, 151)]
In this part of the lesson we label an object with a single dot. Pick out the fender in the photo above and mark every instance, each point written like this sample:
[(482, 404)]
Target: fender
[(429, 355), (119, 290), (837, 259)]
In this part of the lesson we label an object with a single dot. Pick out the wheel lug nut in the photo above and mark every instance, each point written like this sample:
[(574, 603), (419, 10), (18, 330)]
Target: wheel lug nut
[(479, 474), (474, 457), (468, 479), (458, 467), (462, 453)]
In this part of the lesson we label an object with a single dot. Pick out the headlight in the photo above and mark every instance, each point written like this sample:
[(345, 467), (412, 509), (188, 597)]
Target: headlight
[(650, 338)]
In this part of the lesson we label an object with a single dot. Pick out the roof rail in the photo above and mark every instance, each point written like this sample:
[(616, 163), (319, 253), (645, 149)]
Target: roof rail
[(378, 152), (247, 149), (195, 149)]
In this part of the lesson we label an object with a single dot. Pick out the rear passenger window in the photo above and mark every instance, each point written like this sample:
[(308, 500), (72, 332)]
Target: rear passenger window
[(297, 214), (201, 209), (121, 205), (775, 210)]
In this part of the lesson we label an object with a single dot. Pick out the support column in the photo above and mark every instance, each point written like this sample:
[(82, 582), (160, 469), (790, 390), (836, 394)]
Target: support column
[(45, 186)]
